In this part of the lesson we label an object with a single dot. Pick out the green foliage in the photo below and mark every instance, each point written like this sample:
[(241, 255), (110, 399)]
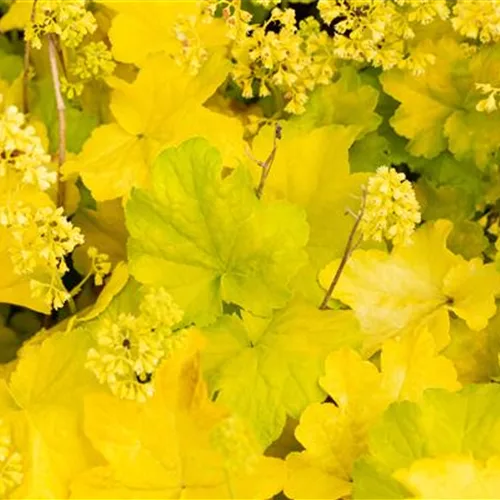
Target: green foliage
[(209, 239)]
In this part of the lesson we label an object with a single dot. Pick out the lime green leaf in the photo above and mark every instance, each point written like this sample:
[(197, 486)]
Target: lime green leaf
[(79, 124), (11, 66), (266, 369), (443, 423), (369, 153), (208, 240), (348, 101), (468, 239), (448, 188), (372, 482)]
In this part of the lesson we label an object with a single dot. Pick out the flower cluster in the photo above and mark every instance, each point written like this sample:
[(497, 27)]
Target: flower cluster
[(231, 439), (380, 33), (290, 60), (68, 19), (93, 62), (11, 463), (391, 209), (130, 348), (477, 20), (44, 235), (43, 238), (23, 159)]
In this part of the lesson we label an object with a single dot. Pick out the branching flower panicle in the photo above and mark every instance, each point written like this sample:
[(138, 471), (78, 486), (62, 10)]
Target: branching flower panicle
[(11, 462), (43, 238), (93, 62), (379, 33), (68, 19), (391, 208), (289, 59), (130, 348)]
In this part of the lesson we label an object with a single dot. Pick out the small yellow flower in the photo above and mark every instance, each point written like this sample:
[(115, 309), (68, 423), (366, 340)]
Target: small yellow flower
[(391, 209)]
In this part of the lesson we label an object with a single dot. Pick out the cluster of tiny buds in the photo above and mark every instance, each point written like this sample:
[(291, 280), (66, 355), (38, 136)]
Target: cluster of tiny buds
[(69, 19), (23, 159), (93, 62), (391, 210), (100, 265), (129, 349), (11, 463)]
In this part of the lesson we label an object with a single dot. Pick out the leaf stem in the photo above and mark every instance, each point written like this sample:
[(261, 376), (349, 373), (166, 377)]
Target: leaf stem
[(266, 165), (349, 248), (27, 53), (61, 114)]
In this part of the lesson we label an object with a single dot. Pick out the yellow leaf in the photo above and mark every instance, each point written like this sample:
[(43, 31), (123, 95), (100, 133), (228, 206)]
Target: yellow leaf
[(391, 293), (335, 435), (473, 287), (154, 29), (161, 108), (410, 364), (17, 16), (455, 476), (111, 162), (46, 389)]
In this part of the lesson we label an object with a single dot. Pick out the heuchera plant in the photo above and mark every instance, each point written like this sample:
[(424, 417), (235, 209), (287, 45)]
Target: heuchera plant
[(249, 249)]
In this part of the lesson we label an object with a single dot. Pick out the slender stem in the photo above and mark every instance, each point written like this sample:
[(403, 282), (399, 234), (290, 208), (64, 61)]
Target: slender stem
[(349, 248), (27, 53), (61, 115), (76, 290), (266, 165), (72, 306)]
